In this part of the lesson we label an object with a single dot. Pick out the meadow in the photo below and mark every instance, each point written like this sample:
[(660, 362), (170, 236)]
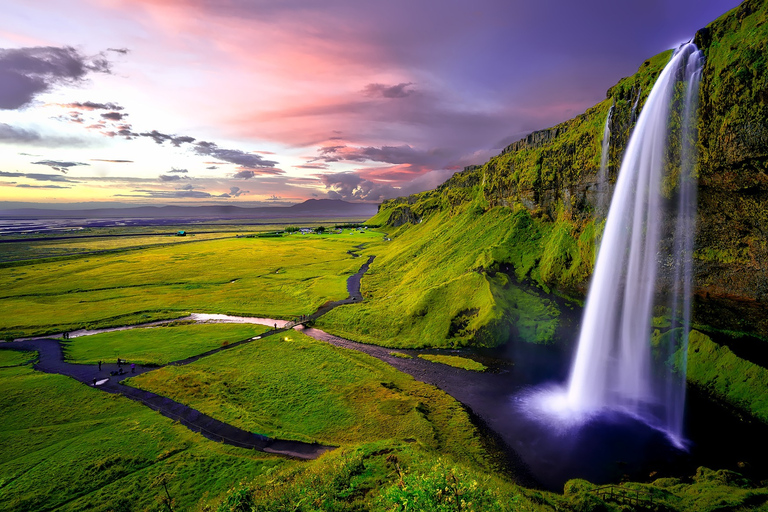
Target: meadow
[(280, 277), (308, 390), (157, 345)]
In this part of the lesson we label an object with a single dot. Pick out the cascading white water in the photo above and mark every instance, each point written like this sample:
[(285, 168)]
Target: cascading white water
[(602, 175), (613, 367)]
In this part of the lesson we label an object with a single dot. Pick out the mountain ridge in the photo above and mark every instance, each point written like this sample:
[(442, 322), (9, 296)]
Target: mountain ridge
[(320, 207)]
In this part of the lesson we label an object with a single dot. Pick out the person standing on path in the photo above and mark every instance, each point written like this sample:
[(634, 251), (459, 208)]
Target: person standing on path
[(99, 365), (133, 367)]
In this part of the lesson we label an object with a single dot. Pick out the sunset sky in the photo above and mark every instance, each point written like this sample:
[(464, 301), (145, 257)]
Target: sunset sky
[(273, 102)]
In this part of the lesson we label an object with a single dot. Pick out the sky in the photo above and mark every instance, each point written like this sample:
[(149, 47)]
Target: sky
[(266, 102)]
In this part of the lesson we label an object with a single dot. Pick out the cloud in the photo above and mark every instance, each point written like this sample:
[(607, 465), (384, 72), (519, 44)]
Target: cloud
[(37, 176), (312, 166), (112, 161), (237, 192), (24, 185), (403, 154), (212, 167), (349, 186), (90, 105), (181, 171), (388, 91), (167, 194), (353, 186), (244, 175), (14, 135), (113, 116), (172, 177), (59, 166), (234, 156), (27, 72)]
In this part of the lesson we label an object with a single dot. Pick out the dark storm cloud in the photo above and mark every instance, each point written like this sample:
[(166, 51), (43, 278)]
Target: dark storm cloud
[(113, 116), (388, 91), (28, 72), (234, 156)]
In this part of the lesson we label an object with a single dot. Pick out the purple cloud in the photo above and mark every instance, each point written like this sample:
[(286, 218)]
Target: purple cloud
[(27, 72), (388, 91)]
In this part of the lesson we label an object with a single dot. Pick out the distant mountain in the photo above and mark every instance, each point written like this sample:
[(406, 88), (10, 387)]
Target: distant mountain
[(327, 208)]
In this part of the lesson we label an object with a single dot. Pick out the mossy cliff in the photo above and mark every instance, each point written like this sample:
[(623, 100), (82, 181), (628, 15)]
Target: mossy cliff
[(530, 211)]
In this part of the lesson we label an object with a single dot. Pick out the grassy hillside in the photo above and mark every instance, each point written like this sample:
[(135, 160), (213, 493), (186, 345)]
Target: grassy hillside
[(529, 212)]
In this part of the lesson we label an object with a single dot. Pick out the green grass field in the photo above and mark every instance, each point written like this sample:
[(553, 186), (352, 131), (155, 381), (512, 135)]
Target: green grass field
[(66, 446), (307, 390), (455, 361), (272, 277), (10, 358), (157, 345)]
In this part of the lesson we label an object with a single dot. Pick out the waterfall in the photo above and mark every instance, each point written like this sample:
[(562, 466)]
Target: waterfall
[(602, 175), (613, 367)]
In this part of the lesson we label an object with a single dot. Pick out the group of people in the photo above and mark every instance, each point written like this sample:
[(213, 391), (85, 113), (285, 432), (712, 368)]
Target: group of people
[(120, 370)]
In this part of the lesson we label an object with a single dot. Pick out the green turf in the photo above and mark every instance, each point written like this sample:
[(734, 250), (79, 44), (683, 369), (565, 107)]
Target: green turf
[(308, 390), (455, 361), (66, 446), (272, 277), (10, 358), (718, 370), (157, 345), (436, 284)]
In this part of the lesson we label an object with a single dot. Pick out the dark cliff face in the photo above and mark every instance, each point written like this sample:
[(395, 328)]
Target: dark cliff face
[(553, 173)]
